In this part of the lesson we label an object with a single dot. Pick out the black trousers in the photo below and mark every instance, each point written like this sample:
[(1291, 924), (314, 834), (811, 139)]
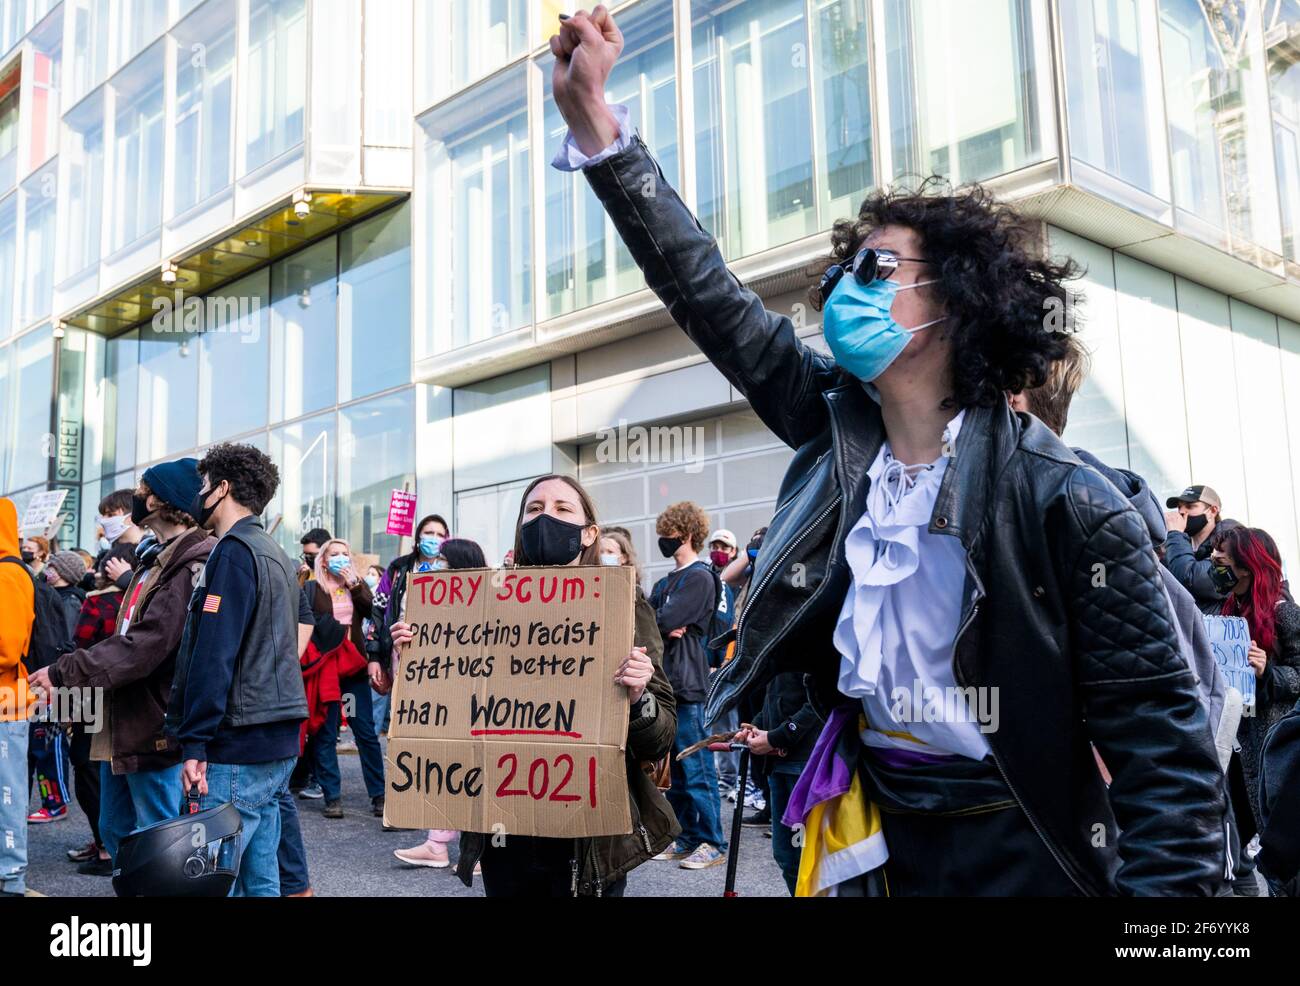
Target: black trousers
[(955, 830), (85, 778), (530, 867)]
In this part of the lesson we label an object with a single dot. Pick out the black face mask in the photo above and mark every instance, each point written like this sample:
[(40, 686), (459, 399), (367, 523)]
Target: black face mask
[(29, 556), (547, 540), (139, 509), (668, 546), (203, 513), (1196, 524)]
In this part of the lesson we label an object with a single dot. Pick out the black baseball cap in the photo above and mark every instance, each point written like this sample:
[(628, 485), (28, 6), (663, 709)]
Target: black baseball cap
[(1195, 494)]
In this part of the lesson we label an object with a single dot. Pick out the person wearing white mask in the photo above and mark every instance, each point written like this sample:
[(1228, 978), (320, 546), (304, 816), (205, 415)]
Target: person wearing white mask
[(117, 540)]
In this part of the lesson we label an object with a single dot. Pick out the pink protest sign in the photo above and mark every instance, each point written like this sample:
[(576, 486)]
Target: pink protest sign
[(401, 513)]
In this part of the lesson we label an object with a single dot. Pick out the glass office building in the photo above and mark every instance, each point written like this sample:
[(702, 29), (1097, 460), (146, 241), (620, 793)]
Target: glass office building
[(410, 295)]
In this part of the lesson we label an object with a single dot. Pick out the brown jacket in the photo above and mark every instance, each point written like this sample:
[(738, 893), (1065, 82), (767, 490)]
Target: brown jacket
[(135, 666)]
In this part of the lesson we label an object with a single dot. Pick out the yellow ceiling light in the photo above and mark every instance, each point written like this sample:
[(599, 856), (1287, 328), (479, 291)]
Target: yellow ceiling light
[(288, 225)]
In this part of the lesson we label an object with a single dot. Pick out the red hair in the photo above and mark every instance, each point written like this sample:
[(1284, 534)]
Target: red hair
[(1253, 550)]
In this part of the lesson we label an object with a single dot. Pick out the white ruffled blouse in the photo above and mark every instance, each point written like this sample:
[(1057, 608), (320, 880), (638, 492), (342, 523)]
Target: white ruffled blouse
[(897, 627)]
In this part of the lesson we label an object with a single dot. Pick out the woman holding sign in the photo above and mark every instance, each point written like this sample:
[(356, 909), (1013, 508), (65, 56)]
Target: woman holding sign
[(557, 525), (1274, 655)]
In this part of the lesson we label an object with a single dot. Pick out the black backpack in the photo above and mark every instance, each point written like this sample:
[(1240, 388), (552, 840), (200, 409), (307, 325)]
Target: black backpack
[(48, 626)]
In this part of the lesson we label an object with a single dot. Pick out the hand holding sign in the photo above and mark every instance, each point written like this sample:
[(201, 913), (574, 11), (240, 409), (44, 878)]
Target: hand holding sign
[(1257, 658), (635, 673), (401, 633)]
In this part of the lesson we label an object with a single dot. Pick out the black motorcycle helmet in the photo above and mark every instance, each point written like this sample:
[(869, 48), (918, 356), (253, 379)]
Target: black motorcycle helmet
[(195, 855)]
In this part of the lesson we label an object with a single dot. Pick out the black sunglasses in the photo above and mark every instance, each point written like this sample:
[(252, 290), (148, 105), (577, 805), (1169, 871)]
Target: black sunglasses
[(867, 265)]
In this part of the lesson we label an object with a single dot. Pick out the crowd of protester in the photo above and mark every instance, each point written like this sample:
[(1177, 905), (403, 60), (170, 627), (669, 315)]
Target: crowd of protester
[(933, 532)]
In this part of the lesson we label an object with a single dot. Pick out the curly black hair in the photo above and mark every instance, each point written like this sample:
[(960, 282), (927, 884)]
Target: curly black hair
[(1009, 310), (252, 475)]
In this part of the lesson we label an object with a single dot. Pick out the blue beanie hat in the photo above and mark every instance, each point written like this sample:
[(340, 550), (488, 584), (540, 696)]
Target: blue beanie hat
[(175, 483)]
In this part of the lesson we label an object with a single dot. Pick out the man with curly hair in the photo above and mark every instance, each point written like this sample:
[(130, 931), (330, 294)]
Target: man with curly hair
[(684, 601), (237, 699), (975, 607)]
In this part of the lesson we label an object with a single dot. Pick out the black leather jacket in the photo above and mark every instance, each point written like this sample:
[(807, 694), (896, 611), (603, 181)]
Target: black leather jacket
[(1062, 610)]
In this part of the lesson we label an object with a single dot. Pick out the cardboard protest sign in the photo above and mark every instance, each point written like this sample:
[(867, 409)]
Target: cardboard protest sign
[(42, 510), (505, 714), (1230, 638), (401, 514)]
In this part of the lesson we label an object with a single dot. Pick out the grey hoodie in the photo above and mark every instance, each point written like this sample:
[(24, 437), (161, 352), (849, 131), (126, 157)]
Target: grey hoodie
[(1223, 704)]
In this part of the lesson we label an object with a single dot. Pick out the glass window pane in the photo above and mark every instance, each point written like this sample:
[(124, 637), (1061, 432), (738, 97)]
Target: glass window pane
[(90, 24), (1220, 133), (9, 94), (1282, 37), (753, 146), (482, 36), (121, 397), (304, 341), (376, 456), (8, 261), (842, 94), (586, 261), (47, 72), (375, 304), (138, 152), (32, 377), (232, 346), (305, 454), (277, 78), (83, 146), (168, 406), (963, 82), (204, 132), (477, 173), (1115, 103), (39, 200), (138, 23)]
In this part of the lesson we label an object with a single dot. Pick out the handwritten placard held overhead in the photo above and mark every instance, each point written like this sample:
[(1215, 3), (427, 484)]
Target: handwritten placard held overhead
[(505, 714), (1230, 638)]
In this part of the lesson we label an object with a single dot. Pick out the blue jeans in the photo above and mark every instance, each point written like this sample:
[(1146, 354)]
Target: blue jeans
[(255, 789), (380, 703), (131, 801), (14, 785), (780, 785), (728, 763), (291, 857), (694, 794), (362, 722)]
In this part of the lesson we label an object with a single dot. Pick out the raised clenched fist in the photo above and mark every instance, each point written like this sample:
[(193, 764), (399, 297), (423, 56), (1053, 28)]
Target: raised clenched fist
[(585, 51)]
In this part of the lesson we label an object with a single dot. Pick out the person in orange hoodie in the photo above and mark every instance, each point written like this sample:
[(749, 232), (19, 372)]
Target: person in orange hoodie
[(16, 614)]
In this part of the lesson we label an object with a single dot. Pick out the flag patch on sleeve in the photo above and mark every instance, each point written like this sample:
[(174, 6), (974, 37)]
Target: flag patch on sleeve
[(212, 604)]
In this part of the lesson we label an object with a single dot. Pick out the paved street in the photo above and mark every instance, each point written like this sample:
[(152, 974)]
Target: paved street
[(354, 857)]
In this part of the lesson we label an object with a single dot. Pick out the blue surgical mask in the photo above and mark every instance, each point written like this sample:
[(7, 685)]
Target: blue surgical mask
[(337, 564), (862, 335), (373, 582), (429, 546), (610, 559)]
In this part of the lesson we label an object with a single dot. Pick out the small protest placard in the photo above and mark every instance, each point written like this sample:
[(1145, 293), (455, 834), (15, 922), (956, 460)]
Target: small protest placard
[(505, 714), (42, 510), (401, 514), (1230, 638)]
